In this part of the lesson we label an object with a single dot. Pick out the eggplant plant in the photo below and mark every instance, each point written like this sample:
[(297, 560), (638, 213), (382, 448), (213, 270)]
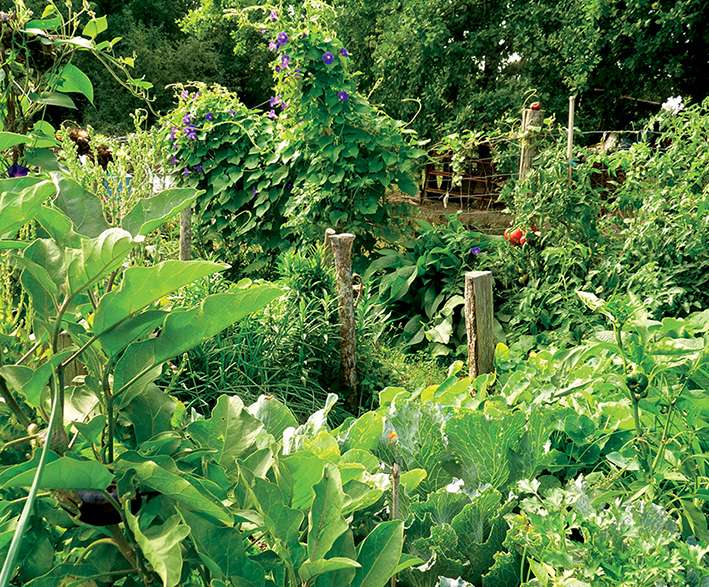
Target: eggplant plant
[(124, 487)]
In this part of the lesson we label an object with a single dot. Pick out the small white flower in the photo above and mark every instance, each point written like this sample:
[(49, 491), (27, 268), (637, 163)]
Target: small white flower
[(673, 104), (456, 486)]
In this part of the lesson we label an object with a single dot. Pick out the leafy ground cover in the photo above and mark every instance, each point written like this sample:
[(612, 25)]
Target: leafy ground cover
[(170, 422)]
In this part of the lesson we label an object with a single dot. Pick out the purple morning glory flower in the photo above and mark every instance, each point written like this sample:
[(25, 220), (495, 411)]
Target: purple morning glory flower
[(191, 132), (273, 16), (274, 101), (209, 116), (186, 171), (285, 61), (254, 191), (17, 170), (186, 119), (272, 114), (278, 68), (343, 96), (475, 251), (173, 160), (328, 58), (282, 38), (284, 105), (173, 133), (198, 168), (344, 52), (272, 46), (184, 95)]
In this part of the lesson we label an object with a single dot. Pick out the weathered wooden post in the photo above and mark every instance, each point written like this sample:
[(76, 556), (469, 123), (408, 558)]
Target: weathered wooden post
[(479, 322), (570, 134), (531, 117), (186, 234), (342, 251)]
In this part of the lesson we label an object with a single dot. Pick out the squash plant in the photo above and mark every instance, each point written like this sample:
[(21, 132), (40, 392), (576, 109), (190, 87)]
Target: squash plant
[(124, 486)]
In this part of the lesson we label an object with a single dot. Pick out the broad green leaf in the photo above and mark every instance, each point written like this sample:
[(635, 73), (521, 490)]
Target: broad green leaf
[(184, 329), (230, 431), (151, 413), (95, 27), (83, 209), (222, 550), (379, 554), (12, 245), (365, 432), (54, 99), (161, 546), (344, 547), (120, 336), (311, 569), (487, 460), (59, 227), (300, 472), (29, 383), (20, 201), (10, 139), (274, 415), (281, 521), (407, 185), (59, 473), (410, 480), (325, 520), (150, 213), (73, 80), (176, 485), (92, 429), (142, 286), (97, 258)]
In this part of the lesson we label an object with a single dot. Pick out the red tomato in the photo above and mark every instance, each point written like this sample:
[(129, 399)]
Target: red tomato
[(536, 106), (515, 235)]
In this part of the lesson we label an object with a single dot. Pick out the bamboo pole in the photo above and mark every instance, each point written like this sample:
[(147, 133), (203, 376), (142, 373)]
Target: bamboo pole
[(394, 513), (186, 234), (479, 322)]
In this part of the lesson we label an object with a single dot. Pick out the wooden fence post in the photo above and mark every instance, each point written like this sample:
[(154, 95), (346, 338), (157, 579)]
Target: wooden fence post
[(479, 322), (342, 251), (186, 234), (570, 134), (530, 118)]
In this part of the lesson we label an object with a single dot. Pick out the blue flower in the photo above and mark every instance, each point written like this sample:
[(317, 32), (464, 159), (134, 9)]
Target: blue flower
[(191, 132), (475, 251), (186, 119), (328, 58), (273, 16), (17, 170), (344, 52), (272, 114), (285, 61), (198, 168), (343, 96), (174, 160), (209, 116), (274, 101), (282, 38), (186, 171), (173, 133)]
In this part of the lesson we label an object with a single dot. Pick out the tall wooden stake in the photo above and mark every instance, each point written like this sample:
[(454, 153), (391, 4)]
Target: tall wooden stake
[(186, 234), (479, 322), (570, 134), (530, 118), (342, 251)]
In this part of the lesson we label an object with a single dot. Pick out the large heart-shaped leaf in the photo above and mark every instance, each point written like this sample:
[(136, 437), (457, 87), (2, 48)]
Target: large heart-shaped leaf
[(73, 80), (97, 258), (59, 473), (312, 569), (83, 209)]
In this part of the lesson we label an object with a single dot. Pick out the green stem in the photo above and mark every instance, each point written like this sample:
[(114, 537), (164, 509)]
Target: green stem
[(12, 404), (8, 568)]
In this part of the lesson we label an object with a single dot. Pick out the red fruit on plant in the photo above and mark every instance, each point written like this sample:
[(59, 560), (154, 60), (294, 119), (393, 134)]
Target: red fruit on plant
[(535, 106), (515, 235)]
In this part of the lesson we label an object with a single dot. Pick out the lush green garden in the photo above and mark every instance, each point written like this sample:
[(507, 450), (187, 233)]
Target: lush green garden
[(174, 404)]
